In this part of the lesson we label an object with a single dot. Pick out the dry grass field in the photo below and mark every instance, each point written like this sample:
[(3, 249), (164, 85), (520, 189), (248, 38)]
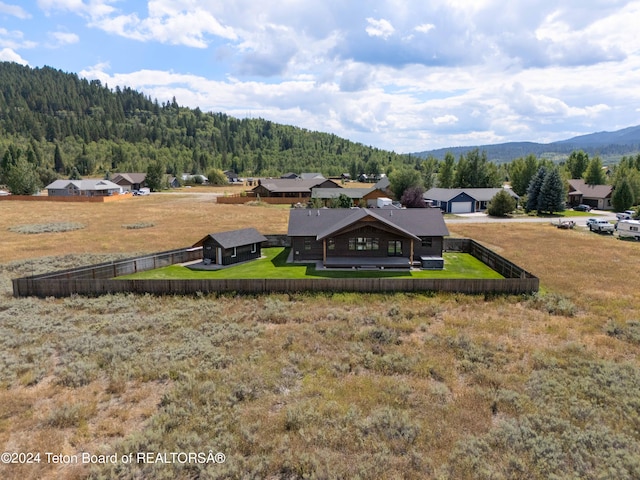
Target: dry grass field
[(318, 386)]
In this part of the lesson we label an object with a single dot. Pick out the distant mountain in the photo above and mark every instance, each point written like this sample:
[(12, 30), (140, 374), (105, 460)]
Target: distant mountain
[(610, 146)]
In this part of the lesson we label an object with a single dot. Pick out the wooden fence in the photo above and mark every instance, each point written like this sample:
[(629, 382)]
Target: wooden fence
[(99, 279), (70, 199)]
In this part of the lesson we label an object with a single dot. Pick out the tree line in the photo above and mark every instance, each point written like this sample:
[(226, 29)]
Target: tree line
[(55, 125)]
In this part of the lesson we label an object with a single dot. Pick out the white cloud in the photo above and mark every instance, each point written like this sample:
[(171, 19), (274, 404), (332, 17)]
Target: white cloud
[(448, 72), (14, 10), (187, 28), (64, 38), (8, 55), (14, 40), (425, 27), (379, 28), (445, 120)]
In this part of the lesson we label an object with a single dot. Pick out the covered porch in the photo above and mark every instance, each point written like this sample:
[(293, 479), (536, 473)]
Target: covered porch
[(367, 263)]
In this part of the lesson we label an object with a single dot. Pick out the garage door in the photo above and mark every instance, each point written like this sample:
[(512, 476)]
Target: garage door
[(461, 207)]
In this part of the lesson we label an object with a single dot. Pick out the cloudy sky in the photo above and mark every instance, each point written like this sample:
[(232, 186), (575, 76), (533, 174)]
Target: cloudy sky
[(403, 75)]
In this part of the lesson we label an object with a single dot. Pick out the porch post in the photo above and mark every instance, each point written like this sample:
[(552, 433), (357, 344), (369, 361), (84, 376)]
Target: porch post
[(411, 257), (324, 252)]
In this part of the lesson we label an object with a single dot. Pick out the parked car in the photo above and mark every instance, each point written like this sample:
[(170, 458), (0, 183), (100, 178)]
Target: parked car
[(590, 221), (601, 226), (582, 208)]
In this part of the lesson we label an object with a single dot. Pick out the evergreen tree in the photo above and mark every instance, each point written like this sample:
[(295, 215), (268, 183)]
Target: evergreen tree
[(58, 163), (594, 174), (552, 193), (501, 204), (22, 179), (447, 171), (533, 191), (622, 198)]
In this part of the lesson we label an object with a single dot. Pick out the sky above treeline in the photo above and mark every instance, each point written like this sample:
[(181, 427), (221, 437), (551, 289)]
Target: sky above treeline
[(406, 76)]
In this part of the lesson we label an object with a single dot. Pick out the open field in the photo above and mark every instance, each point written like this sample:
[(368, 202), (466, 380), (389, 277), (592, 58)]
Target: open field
[(441, 386), (273, 264)]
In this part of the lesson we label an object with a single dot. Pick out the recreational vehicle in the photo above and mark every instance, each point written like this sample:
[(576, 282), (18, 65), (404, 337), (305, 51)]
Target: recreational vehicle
[(629, 229)]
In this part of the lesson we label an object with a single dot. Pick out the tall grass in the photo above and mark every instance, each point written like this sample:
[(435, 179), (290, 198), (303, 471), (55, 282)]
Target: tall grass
[(334, 385)]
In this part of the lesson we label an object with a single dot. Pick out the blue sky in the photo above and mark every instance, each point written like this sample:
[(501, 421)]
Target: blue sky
[(403, 75)]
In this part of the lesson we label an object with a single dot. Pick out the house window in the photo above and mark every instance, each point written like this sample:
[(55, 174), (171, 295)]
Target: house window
[(394, 248), (235, 252), (307, 244), (363, 243), (427, 242), (254, 248), (331, 244)]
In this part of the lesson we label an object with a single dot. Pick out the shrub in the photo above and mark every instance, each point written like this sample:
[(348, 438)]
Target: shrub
[(136, 226), (47, 227), (501, 204)]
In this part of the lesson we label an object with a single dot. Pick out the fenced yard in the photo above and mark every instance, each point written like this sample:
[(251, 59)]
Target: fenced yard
[(101, 279)]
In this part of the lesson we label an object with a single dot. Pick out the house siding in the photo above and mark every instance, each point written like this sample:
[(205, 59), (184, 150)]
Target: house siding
[(243, 252), (383, 238)]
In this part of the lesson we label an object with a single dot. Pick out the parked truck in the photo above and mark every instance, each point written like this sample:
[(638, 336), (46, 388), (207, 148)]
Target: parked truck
[(629, 229), (602, 226)]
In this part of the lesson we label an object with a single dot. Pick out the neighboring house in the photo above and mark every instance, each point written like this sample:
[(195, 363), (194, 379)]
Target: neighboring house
[(172, 181), (291, 188), (368, 196), (226, 248), (311, 176), (83, 188), (130, 181), (290, 175), (463, 200), (362, 237), (596, 196), (232, 177)]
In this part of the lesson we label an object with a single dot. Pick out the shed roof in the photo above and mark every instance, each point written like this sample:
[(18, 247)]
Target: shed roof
[(355, 193), (84, 185), (234, 238)]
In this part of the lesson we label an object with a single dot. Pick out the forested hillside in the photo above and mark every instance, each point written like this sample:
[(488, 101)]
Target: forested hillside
[(99, 129)]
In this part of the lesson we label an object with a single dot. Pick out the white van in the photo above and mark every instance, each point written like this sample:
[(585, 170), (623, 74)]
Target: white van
[(629, 229)]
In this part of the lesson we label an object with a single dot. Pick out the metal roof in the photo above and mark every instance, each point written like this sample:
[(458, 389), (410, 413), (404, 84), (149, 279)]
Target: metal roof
[(85, 185), (478, 194)]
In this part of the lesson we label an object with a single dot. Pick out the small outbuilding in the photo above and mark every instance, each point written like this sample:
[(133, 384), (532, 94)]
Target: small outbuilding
[(226, 248)]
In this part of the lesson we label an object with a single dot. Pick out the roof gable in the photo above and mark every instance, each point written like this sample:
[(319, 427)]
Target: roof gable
[(234, 238), (319, 223), (579, 186)]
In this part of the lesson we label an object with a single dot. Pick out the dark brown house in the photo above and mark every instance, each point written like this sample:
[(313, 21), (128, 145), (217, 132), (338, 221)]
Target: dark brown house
[(362, 237), (293, 188), (226, 248)]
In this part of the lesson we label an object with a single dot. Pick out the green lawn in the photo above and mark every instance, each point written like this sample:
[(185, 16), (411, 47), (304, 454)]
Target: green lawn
[(274, 265)]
